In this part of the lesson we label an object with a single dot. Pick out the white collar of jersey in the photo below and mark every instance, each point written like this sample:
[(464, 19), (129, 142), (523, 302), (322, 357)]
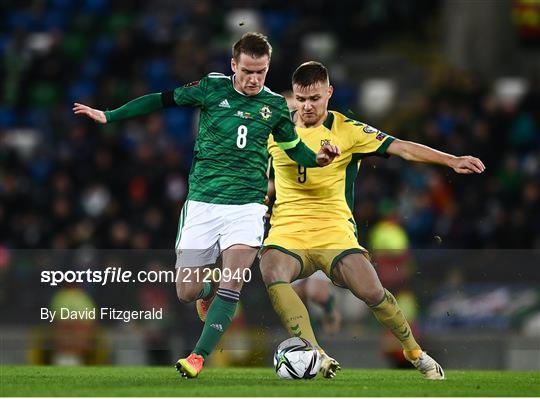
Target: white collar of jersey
[(238, 91)]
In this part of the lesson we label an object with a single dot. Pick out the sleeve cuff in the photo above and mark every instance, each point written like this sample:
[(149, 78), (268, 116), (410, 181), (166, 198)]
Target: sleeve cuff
[(384, 146)]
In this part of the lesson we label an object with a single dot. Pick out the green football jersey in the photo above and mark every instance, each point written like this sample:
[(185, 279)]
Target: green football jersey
[(230, 155)]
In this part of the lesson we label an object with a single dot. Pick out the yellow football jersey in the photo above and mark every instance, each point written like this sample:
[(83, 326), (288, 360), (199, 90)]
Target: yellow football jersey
[(312, 198)]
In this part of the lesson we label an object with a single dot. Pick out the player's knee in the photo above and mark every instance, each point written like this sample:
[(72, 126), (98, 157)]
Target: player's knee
[(373, 294), (276, 266), (275, 273), (186, 292)]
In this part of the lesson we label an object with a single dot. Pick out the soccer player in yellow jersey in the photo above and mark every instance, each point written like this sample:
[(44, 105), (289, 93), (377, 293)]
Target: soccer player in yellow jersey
[(312, 222)]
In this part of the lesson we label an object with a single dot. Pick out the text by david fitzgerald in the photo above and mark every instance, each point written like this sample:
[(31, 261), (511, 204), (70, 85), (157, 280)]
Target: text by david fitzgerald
[(101, 314)]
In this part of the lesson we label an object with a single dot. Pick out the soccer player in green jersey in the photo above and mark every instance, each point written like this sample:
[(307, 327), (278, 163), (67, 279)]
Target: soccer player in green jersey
[(224, 211)]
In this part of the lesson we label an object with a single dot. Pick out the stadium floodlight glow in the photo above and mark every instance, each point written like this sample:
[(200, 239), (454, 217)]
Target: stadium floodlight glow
[(243, 20), (319, 45), (377, 96), (40, 42), (23, 140), (509, 90)]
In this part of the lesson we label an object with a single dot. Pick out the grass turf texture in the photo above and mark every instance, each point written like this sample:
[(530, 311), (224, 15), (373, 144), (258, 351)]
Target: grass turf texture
[(165, 381)]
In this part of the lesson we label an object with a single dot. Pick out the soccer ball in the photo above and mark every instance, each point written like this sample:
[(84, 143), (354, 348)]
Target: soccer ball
[(296, 358)]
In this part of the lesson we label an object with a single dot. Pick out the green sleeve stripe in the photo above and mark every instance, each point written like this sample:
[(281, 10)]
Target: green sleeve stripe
[(384, 146), (288, 145)]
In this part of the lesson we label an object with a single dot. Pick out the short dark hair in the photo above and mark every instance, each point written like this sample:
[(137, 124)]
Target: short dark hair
[(253, 44), (310, 73)]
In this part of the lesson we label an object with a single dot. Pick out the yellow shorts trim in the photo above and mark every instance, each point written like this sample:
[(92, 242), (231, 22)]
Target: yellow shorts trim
[(287, 252), (341, 256), (313, 260)]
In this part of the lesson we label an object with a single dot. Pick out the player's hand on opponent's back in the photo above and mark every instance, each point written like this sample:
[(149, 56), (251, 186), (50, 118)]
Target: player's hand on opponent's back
[(95, 114), (467, 165), (327, 153)]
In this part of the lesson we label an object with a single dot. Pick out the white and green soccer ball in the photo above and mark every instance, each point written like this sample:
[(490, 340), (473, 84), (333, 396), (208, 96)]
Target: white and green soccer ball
[(296, 358)]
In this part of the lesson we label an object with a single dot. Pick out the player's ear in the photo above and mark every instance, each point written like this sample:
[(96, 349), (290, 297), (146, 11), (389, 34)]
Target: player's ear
[(330, 91), (233, 65)]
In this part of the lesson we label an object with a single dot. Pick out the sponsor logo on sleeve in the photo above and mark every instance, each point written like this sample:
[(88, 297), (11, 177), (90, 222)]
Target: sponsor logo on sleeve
[(195, 83), (369, 129)]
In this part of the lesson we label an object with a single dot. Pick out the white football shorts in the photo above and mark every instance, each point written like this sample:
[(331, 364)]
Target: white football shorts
[(205, 230)]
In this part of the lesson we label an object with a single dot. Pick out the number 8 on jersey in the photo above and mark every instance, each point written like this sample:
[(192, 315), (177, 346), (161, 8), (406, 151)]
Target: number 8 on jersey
[(241, 140)]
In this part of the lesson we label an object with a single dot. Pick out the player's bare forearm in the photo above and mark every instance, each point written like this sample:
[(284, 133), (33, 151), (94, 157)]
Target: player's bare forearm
[(415, 152), (419, 153)]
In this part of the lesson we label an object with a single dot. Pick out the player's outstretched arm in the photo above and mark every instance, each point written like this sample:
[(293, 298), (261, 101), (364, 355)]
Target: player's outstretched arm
[(137, 107), (415, 152)]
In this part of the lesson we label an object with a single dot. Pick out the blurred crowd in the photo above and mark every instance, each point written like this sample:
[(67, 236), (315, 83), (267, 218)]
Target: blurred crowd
[(68, 183), (498, 209)]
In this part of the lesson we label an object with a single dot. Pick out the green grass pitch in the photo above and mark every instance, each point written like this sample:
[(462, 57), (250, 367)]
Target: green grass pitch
[(164, 381)]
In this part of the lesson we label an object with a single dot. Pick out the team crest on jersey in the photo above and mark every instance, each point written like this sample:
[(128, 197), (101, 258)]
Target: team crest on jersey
[(370, 129), (325, 142), (265, 112)]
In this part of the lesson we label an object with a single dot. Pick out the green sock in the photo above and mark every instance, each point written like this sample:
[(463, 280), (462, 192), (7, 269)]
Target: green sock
[(206, 290), (219, 318)]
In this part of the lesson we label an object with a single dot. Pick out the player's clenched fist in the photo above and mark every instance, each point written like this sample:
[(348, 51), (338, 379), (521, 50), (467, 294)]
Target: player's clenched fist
[(327, 153), (95, 114)]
